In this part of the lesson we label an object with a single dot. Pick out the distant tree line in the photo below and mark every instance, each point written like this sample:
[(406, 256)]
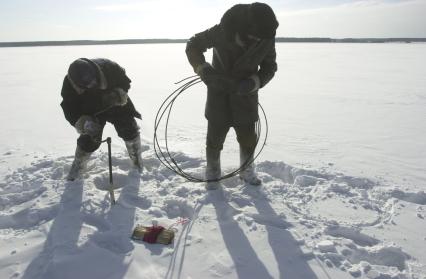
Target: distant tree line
[(351, 40), (169, 41)]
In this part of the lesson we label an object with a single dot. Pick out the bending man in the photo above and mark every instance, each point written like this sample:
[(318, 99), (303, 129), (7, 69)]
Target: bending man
[(95, 92)]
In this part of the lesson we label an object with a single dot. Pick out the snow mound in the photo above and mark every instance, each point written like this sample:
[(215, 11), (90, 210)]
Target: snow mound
[(418, 198), (353, 234)]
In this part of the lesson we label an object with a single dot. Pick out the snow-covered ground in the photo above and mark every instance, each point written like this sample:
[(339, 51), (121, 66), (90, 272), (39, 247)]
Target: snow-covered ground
[(343, 172)]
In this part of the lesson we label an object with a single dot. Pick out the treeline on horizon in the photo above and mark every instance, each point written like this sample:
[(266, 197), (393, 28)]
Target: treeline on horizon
[(168, 41)]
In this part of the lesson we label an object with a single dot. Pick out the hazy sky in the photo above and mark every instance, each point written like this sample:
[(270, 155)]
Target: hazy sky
[(27, 20)]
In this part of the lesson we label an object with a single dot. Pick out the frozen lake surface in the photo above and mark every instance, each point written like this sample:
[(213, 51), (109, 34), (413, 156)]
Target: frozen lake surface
[(355, 108), (343, 172)]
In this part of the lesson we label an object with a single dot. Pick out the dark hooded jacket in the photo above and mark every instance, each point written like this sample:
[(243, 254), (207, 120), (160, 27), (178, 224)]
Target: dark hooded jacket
[(76, 103), (236, 62)]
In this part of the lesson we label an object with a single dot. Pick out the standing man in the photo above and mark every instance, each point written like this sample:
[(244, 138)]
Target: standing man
[(243, 62), (95, 92)]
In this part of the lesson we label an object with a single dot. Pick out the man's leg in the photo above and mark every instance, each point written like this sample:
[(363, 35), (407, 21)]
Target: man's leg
[(86, 145), (128, 130), (216, 135), (246, 136)]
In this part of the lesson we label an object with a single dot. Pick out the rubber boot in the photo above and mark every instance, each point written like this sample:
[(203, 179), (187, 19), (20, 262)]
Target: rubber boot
[(79, 164), (213, 170), (134, 148), (248, 174)]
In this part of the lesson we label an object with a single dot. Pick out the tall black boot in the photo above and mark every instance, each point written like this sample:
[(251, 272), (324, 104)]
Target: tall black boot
[(79, 164), (213, 170), (248, 174), (134, 148)]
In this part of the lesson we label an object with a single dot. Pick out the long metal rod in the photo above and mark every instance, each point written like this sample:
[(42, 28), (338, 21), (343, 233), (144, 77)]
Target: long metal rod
[(111, 185)]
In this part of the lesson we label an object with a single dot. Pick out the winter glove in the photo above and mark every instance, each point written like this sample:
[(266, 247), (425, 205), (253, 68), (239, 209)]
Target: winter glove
[(249, 85), (88, 125), (207, 73), (115, 97), (212, 78)]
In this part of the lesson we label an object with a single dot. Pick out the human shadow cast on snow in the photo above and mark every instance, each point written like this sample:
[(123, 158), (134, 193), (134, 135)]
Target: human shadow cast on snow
[(180, 246), (63, 257), (246, 261), (63, 234), (288, 255), (116, 241)]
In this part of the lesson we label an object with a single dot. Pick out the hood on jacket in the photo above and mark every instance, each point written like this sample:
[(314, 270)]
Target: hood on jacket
[(256, 19)]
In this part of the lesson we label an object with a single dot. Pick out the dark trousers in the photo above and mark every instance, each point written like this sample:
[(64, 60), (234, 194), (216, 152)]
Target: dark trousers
[(126, 128), (216, 134)]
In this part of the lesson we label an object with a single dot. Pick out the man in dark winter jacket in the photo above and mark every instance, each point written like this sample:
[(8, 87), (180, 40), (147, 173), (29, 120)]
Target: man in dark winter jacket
[(95, 92), (244, 60)]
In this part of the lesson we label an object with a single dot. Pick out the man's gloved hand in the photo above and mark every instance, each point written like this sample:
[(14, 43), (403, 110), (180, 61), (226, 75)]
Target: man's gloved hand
[(207, 73), (248, 85), (115, 97), (212, 78), (88, 125)]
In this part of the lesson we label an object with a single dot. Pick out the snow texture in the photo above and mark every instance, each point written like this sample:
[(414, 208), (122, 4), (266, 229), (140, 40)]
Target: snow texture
[(51, 228)]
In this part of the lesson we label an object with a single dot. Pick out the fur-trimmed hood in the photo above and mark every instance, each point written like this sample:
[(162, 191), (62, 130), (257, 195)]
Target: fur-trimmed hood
[(100, 75)]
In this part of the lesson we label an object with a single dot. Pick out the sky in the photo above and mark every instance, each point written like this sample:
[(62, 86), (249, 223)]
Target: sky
[(43, 20)]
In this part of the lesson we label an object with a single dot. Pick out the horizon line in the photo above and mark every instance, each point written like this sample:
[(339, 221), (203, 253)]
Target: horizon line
[(166, 40)]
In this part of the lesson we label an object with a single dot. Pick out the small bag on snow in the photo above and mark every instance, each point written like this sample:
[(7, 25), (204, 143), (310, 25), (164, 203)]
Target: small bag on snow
[(153, 234)]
